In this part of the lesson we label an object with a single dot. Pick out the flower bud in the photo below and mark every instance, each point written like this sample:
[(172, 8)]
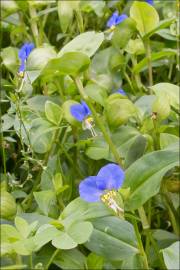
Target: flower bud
[(119, 110), (161, 106), (8, 205)]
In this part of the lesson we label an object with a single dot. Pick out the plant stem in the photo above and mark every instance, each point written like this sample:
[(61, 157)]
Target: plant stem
[(143, 218), (34, 27), (52, 258), (141, 248), (148, 55), (98, 121), (136, 75), (156, 249)]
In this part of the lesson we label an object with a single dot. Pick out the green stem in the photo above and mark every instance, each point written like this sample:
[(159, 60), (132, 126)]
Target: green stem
[(79, 20), (143, 218), (30, 261), (52, 258), (148, 55), (136, 75), (34, 27), (156, 249), (140, 244), (98, 121), (4, 161), (129, 81)]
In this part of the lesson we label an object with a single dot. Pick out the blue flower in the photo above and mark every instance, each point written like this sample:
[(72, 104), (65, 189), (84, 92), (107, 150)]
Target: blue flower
[(116, 19), (23, 54), (80, 111), (110, 177), (151, 2), (121, 91)]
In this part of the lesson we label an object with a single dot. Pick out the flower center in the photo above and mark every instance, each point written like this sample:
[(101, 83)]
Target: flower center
[(111, 200), (88, 123), (21, 74)]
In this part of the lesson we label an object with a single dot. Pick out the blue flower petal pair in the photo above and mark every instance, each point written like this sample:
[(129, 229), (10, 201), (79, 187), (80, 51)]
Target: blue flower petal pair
[(80, 111), (116, 19), (110, 177), (23, 54)]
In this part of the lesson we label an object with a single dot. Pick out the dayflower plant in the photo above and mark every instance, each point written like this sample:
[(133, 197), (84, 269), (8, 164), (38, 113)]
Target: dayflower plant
[(103, 187), (23, 54), (82, 113), (116, 19)]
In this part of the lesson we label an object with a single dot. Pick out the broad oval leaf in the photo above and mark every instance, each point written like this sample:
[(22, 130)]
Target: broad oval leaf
[(53, 112), (63, 241), (144, 176), (80, 231), (113, 238), (71, 63), (86, 43), (171, 256), (145, 16), (169, 90)]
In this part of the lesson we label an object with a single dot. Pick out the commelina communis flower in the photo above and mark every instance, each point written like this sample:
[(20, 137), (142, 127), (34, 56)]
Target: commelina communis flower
[(23, 54)]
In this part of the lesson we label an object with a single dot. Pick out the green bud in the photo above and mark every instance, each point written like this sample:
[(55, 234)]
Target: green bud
[(161, 106), (8, 205), (119, 110)]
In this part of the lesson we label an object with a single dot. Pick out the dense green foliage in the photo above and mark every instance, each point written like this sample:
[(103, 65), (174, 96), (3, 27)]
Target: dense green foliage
[(46, 152)]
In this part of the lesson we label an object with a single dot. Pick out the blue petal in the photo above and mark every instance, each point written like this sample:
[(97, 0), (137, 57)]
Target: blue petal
[(78, 112), (121, 91), (22, 66), (121, 18), (25, 50), (110, 177), (89, 191), (86, 108), (151, 2), (112, 19)]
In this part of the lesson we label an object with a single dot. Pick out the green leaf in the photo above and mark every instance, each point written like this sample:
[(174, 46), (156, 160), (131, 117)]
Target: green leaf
[(22, 226), (167, 139), (63, 241), (24, 247), (10, 59), (136, 150), (9, 233), (96, 92), (112, 238), (97, 149), (53, 112), (145, 16), (44, 200), (123, 32), (39, 57), (44, 235), (70, 259), (94, 261), (70, 63), (162, 24), (168, 90), (154, 56), (86, 43), (65, 12), (135, 46), (79, 210), (144, 176), (171, 256), (80, 231), (41, 135)]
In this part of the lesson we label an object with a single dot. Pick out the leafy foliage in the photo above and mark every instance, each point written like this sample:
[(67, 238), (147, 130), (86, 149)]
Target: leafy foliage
[(85, 84)]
